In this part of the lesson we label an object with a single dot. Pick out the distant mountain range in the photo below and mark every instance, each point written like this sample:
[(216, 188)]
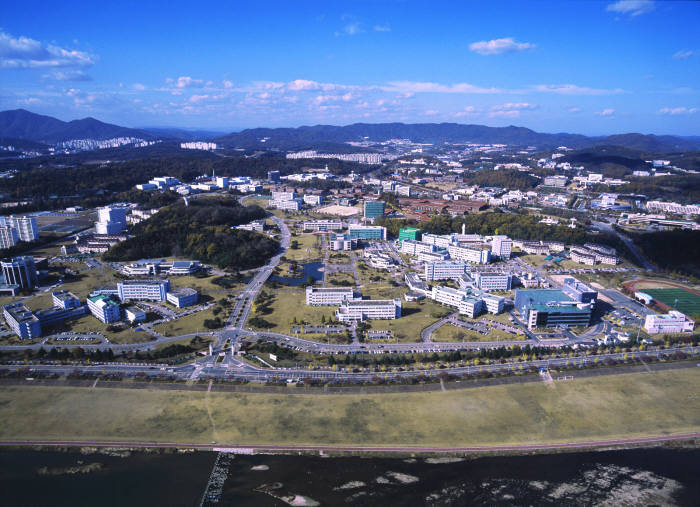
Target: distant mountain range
[(25, 125), (436, 133)]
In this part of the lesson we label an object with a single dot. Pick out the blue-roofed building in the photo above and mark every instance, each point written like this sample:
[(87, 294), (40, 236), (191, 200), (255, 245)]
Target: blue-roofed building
[(552, 308)]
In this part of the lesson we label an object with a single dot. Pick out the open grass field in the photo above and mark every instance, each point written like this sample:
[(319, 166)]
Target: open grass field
[(309, 248), (189, 324), (581, 409), (450, 333), (291, 304), (680, 299), (415, 317)]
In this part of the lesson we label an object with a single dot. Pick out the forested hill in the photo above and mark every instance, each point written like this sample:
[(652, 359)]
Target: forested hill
[(314, 136), (201, 231)]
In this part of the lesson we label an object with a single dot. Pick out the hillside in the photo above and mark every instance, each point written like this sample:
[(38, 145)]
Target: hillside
[(23, 124), (200, 231)]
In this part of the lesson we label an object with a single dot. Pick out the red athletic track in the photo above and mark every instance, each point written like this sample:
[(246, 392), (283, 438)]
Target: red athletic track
[(350, 448)]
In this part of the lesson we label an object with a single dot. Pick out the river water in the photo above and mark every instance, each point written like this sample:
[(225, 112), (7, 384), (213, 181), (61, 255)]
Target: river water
[(629, 477)]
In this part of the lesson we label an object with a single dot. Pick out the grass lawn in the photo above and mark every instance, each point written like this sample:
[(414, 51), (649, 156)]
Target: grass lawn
[(450, 333), (582, 409), (288, 305), (340, 279), (189, 324), (206, 286), (309, 248), (415, 317), (534, 260), (680, 299)]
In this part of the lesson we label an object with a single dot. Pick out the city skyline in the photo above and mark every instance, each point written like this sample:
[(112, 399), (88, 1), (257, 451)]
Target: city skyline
[(587, 67)]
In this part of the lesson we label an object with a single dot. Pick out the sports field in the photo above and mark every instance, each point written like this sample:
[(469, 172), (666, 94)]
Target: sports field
[(680, 299), (616, 406)]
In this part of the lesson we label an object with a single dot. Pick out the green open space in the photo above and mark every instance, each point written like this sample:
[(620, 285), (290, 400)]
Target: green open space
[(289, 308), (415, 316), (117, 333), (451, 333), (188, 324), (308, 247), (585, 409), (340, 278), (680, 299)]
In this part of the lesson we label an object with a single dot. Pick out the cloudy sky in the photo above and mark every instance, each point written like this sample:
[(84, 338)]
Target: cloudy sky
[(593, 67)]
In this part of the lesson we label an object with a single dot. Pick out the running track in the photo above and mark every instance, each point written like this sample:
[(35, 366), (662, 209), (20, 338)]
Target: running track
[(354, 449)]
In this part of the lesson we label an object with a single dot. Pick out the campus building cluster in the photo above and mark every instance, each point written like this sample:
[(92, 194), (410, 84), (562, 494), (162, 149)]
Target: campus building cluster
[(351, 306), (570, 306)]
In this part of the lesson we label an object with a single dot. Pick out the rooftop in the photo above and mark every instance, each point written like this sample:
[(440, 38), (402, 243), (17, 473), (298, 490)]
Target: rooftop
[(184, 291)]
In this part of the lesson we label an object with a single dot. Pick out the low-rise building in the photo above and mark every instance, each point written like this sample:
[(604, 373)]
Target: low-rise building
[(361, 310), (338, 242), (415, 284), (22, 321), (182, 297), (413, 247), (323, 225), (255, 225), (104, 308), (673, 322), (135, 314), (326, 296), (411, 233), (288, 205), (152, 290), (470, 254), (313, 200), (64, 299), (492, 281), (367, 232), (445, 270), (437, 256), (552, 308)]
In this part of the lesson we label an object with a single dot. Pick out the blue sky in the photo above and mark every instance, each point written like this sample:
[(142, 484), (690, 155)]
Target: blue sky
[(593, 67)]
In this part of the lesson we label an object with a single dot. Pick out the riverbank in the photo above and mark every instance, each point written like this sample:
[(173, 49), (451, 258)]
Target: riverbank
[(609, 410)]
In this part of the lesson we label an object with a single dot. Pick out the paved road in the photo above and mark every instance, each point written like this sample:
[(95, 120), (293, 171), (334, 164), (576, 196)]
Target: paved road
[(604, 226), (247, 448)]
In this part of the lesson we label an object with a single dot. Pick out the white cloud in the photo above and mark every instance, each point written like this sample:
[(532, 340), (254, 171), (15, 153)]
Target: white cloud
[(186, 82), (138, 86), (351, 29), (631, 7), (570, 89), (574, 109), (404, 87), (515, 113), (684, 54), (498, 46), (382, 28), (67, 75), (606, 112), (467, 111), (513, 105), (23, 53), (431, 112), (227, 84), (303, 85), (678, 110), (198, 98)]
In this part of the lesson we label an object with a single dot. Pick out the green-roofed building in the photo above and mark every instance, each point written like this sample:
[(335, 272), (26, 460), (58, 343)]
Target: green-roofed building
[(409, 233)]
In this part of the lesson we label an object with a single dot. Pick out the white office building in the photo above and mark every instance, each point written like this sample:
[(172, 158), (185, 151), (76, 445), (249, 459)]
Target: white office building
[(151, 290), (323, 225), (468, 302), (8, 237), (445, 270), (341, 242), (369, 310), (287, 205), (413, 247), (111, 220), (440, 241), (326, 296), (416, 284), (501, 247), (440, 255), (673, 322), (283, 196), (493, 281), (313, 200), (25, 227), (470, 254)]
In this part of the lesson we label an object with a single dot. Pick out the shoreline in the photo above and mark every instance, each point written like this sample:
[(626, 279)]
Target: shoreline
[(682, 440)]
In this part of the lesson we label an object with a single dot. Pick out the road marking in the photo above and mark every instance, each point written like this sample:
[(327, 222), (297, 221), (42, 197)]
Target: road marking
[(95, 382), (209, 388)]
